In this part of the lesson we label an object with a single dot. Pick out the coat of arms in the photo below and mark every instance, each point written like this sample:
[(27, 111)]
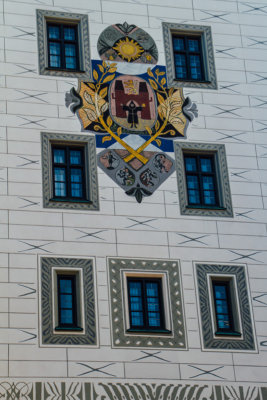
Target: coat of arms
[(133, 115)]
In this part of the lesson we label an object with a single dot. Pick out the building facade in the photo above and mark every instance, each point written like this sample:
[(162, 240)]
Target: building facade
[(133, 200)]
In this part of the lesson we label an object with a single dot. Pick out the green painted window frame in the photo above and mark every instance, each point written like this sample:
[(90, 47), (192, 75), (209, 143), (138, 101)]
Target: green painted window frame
[(51, 333), (170, 30), (173, 336), (217, 151), (243, 338), (91, 198)]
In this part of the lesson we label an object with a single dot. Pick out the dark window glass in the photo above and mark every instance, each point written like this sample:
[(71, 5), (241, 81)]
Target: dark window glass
[(68, 173), (201, 180), (188, 60), (145, 304), (63, 52), (67, 312), (223, 306)]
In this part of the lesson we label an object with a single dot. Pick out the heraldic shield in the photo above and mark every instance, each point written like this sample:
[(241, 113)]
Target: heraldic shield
[(134, 118)]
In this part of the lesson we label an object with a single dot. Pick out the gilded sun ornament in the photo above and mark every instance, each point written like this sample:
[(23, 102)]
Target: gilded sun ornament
[(128, 49)]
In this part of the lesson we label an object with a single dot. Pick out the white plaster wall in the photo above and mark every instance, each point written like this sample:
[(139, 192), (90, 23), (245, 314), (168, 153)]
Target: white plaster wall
[(234, 115)]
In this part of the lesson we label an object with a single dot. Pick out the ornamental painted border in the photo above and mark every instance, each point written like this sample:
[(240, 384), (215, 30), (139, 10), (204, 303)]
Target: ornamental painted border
[(128, 390), (208, 54), (84, 44), (91, 171), (222, 177), (89, 338), (209, 341), (176, 340)]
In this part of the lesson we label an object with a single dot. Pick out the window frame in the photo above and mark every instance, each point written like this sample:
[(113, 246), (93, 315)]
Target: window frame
[(174, 333), (62, 41), (217, 151), (232, 304), (80, 21), (187, 54), (209, 79), (51, 331), (67, 166), (200, 174), (146, 327), (242, 337), (90, 200), (75, 326)]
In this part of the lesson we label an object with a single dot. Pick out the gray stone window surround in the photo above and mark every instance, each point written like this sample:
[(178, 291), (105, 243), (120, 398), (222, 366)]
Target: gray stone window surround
[(169, 29), (81, 20), (49, 268), (204, 273), (91, 184), (169, 272), (218, 150)]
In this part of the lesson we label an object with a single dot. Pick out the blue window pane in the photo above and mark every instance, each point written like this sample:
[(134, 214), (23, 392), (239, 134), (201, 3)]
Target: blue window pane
[(55, 61), (60, 189), (220, 292), (195, 67), (223, 322), (137, 318), (136, 304), (178, 44), (75, 157), (206, 165), (66, 301), (221, 307), (76, 175), (66, 316), (76, 190), (193, 197), (193, 45), (208, 183), (192, 182), (53, 32), (54, 49), (180, 65), (70, 50), (209, 198), (65, 286), (135, 288), (60, 174), (190, 164), (153, 304), (69, 33), (71, 63), (152, 289), (59, 156), (154, 319)]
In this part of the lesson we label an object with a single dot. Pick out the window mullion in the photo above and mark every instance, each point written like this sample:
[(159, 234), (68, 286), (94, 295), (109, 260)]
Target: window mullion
[(145, 308)]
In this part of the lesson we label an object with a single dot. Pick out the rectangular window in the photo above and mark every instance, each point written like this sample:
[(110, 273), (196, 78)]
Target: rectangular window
[(68, 173), (145, 304), (201, 180), (224, 306), (67, 302), (63, 44), (189, 55), (188, 60), (202, 177), (63, 50)]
